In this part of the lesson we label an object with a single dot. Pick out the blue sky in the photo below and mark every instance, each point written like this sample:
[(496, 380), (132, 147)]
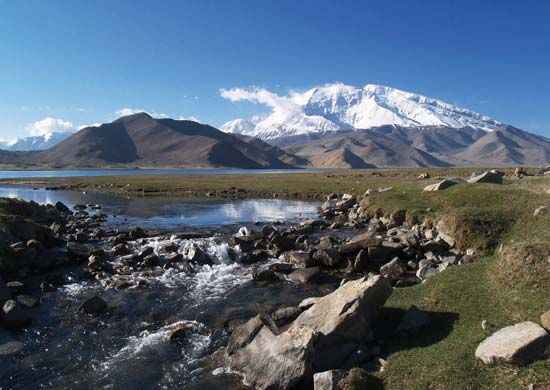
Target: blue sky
[(79, 62)]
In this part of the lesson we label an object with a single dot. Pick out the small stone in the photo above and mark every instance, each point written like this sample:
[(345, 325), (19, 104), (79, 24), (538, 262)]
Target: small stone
[(178, 331), (13, 316), (328, 380), (93, 305), (15, 287), (283, 268), (304, 275), (265, 276), (361, 261), (300, 258), (10, 348), (27, 301), (540, 211), (328, 257), (545, 320)]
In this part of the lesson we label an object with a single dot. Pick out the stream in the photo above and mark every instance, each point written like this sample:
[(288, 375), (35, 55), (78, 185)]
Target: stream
[(127, 347)]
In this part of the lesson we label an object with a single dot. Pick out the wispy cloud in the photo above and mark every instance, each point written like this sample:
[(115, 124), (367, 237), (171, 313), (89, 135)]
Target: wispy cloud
[(188, 118), (130, 111), (281, 105), (47, 126)]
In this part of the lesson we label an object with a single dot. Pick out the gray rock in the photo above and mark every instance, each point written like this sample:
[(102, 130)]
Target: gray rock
[(328, 380), (10, 348), (361, 261), (27, 301), (285, 315), (244, 334), (195, 254), (393, 270), (15, 287), (413, 320), (442, 185), (13, 317), (283, 268), (426, 272), (382, 254), (320, 339), (265, 276), (300, 258), (361, 241), (307, 303), (518, 344), (304, 275), (178, 331), (328, 257), (486, 177), (93, 305)]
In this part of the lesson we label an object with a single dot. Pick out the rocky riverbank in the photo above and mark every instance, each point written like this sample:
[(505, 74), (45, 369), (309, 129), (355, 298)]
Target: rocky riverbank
[(321, 341)]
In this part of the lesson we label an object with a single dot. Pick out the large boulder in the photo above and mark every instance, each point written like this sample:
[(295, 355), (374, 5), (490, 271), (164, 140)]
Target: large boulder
[(517, 344), (320, 339), (487, 177)]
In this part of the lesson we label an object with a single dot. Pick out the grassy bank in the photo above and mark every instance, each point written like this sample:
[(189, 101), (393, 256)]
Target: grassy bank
[(509, 283), (301, 184)]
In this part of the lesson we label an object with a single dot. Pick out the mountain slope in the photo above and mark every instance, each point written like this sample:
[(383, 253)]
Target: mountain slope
[(395, 146), (142, 140), (508, 146), (363, 147), (337, 107)]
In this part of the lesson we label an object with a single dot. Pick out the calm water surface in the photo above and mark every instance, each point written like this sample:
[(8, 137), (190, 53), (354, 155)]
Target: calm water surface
[(115, 172), (170, 214)]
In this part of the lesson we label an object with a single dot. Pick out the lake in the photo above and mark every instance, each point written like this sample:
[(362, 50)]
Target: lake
[(172, 213), (15, 174)]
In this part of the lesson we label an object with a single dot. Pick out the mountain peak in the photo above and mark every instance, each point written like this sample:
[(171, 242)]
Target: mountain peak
[(133, 117), (337, 106)]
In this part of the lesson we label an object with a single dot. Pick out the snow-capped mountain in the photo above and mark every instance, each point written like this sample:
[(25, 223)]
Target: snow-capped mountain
[(41, 142), (342, 107)]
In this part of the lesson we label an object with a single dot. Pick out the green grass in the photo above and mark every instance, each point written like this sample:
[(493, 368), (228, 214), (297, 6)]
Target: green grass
[(504, 287)]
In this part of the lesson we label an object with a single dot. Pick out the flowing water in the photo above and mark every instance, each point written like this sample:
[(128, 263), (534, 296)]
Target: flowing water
[(126, 347)]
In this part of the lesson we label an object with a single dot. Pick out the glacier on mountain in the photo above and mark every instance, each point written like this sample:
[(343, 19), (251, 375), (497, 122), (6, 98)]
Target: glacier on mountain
[(334, 107)]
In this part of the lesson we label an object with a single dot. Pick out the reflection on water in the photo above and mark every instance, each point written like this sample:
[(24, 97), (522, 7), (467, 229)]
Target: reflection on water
[(173, 213)]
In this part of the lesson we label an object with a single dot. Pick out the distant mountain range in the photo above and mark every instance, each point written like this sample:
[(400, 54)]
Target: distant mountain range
[(335, 126), (41, 142), (337, 107), (141, 140)]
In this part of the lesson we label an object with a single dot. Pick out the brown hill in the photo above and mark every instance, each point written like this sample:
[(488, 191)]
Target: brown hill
[(140, 140)]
